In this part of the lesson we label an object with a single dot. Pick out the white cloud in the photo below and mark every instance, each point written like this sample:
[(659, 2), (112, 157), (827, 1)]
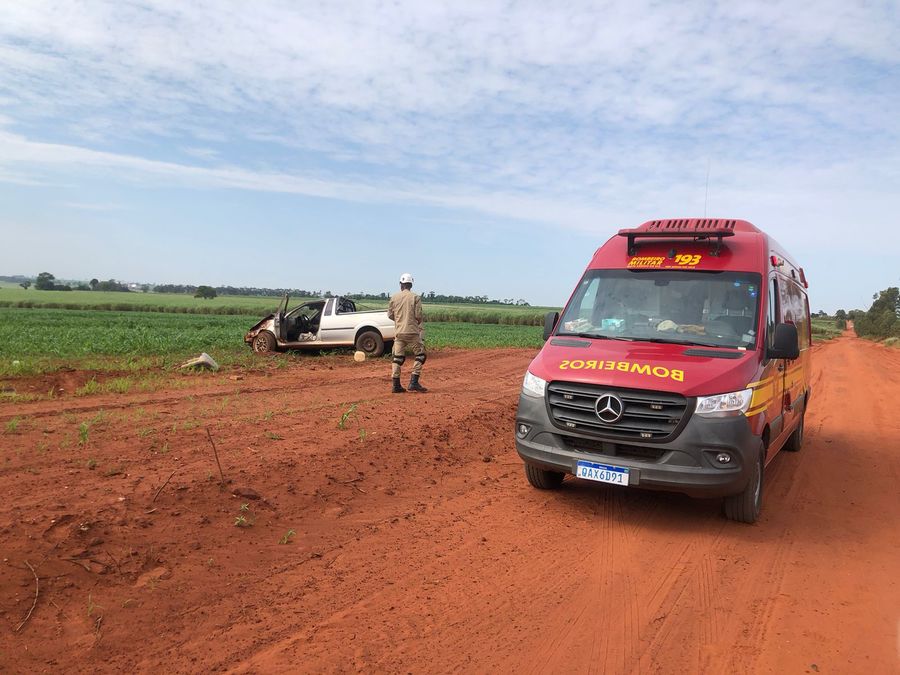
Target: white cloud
[(576, 114)]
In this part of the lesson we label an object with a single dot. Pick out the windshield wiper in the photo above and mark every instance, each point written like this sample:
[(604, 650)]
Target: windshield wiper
[(594, 336), (692, 343)]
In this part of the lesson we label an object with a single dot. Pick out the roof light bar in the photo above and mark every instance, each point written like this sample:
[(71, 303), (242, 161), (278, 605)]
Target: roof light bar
[(696, 230)]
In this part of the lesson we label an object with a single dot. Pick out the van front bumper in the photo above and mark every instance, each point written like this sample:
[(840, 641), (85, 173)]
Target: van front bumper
[(686, 464)]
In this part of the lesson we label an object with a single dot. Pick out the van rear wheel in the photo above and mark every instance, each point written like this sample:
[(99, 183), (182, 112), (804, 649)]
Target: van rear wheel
[(795, 441), (543, 479), (745, 506)]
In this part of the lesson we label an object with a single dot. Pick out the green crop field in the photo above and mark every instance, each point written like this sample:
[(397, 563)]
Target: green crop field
[(45, 339), (228, 305), (825, 329)]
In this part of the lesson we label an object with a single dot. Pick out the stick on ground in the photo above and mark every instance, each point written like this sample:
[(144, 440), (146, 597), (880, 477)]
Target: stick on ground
[(216, 453), (37, 588), (163, 485)]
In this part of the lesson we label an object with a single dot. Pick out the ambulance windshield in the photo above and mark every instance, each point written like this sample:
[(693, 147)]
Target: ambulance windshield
[(718, 309)]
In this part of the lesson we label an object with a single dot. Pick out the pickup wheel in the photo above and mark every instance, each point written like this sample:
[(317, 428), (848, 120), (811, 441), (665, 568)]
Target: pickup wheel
[(263, 343), (543, 479), (370, 342), (745, 506)]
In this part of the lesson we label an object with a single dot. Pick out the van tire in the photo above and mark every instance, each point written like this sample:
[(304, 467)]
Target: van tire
[(370, 342), (745, 506), (795, 440), (543, 479), (263, 342)]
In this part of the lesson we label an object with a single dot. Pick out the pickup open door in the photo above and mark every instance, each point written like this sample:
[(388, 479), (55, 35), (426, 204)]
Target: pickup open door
[(279, 324)]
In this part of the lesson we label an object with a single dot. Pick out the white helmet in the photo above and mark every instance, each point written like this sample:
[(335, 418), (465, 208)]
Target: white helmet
[(406, 278)]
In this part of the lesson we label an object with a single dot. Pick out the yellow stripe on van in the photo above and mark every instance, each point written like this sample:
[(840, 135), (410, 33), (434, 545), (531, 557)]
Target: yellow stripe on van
[(762, 394), (759, 409)]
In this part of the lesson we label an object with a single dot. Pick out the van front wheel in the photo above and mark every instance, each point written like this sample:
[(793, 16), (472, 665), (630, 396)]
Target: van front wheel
[(543, 479), (795, 440), (744, 507)]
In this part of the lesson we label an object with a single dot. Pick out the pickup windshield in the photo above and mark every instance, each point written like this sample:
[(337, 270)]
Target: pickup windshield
[(716, 309)]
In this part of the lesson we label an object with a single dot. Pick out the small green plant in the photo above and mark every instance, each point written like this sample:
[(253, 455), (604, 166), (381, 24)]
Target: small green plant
[(84, 430), (275, 437), (244, 520), (90, 387), (119, 385), (269, 414), (12, 425), (362, 435), (286, 539), (91, 464), (345, 417)]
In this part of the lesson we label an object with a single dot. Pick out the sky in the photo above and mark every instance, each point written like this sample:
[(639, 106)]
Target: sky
[(488, 148)]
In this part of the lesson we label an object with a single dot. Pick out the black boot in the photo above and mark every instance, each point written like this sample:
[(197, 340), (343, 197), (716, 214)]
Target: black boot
[(415, 386), (398, 389)]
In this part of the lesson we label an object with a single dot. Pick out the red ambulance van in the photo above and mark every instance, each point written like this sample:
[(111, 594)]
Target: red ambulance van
[(681, 363)]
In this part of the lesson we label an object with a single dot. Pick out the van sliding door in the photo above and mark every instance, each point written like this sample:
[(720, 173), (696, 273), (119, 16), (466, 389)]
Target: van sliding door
[(774, 370)]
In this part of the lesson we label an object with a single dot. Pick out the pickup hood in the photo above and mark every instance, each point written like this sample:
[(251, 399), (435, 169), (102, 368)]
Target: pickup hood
[(686, 370), (265, 322)]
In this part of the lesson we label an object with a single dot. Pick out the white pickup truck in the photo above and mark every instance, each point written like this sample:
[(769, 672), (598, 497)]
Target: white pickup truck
[(328, 322)]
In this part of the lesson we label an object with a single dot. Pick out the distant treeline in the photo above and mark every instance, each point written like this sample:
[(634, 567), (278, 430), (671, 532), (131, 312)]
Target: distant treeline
[(882, 319), (431, 296), (47, 282), (190, 289)]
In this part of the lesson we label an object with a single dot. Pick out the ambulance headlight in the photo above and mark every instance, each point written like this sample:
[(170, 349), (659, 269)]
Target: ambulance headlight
[(533, 385), (722, 405)]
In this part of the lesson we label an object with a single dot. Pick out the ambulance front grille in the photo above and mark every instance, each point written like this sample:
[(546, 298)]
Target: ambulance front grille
[(646, 415)]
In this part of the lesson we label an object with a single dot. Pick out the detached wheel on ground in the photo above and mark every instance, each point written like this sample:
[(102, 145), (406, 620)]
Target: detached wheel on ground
[(263, 343), (795, 441), (745, 507), (371, 343), (543, 479)]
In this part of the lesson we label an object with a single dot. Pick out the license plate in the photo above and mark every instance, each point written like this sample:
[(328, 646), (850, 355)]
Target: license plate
[(602, 473)]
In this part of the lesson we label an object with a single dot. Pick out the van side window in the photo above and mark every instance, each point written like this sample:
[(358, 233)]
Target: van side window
[(806, 334), (772, 316)]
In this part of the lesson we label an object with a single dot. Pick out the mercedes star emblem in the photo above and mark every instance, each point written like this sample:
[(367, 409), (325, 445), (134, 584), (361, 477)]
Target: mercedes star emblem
[(609, 408)]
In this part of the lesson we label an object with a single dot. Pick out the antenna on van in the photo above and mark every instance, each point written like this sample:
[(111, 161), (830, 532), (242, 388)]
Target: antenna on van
[(706, 197)]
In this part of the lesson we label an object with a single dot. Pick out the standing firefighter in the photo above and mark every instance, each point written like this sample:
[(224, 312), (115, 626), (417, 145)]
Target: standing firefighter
[(405, 308)]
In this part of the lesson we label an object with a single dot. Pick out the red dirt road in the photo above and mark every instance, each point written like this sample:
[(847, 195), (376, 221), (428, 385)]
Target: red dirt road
[(418, 545)]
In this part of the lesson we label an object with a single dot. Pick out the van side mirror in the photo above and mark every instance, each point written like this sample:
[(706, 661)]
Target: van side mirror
[(549, 324), (786, 342)]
